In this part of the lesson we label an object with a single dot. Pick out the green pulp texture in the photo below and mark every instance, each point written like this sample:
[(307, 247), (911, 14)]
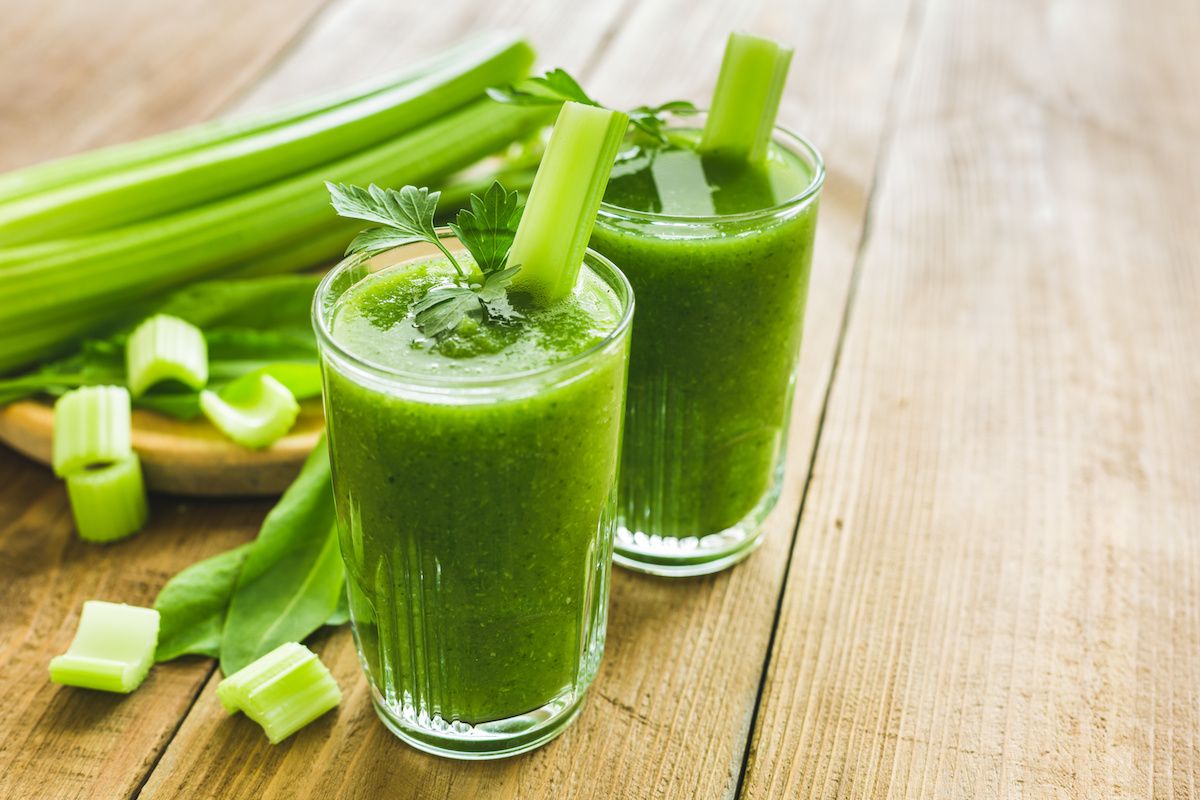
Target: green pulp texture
[(476, 532), (720, 315)]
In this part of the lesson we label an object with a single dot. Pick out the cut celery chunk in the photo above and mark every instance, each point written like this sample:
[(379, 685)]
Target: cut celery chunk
[(563, 201), (92, 427), (283, 691), (108, 503), (165, 348), (113, 649), (746, 99), (253, 411)]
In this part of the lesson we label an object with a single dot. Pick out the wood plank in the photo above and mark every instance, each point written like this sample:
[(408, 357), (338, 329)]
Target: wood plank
[(76, 74), (670, 713), (995, 589)]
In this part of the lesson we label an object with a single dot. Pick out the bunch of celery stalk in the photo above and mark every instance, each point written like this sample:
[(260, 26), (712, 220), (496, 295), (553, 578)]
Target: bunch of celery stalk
[(83, 238)]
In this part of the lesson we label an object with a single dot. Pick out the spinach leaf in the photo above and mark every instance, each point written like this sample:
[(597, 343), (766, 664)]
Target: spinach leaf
[(292, 579), (193, 604)]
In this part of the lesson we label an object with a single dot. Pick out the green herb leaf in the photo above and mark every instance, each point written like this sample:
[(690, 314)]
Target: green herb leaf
[(443, 308), (487, 228), (291, 581), (649, 119), (193, 605), (407, 214)]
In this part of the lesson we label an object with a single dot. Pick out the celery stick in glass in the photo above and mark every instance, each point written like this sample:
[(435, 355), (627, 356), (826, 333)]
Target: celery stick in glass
[(253, 411), (283, 691), (746, 100), (113, 648), (566, 193), (91, 427), (108, 503), (165, 348)]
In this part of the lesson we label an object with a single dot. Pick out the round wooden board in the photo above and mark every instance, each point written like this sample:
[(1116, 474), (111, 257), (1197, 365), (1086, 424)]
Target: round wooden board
[(183, 457)]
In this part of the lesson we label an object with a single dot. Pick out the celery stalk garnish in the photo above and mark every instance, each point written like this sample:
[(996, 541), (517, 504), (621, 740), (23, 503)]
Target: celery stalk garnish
[(108, 503), (557, 222), (92, 427), (113, 648), (165, 348), (254, 411), (746, 99), (283, 691)]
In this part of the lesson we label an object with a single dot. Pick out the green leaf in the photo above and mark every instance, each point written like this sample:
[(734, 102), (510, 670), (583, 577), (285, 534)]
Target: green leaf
[(495, 286), (443, 308), (292, 578), (555, 87), (649, 119), (487, 228), (193, 605)]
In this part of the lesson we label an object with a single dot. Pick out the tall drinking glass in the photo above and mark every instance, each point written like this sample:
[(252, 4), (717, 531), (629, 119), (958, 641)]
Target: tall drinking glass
[(476, 512)]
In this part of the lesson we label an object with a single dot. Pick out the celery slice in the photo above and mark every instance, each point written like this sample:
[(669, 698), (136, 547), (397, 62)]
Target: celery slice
[(563, 201), (113, 648), (165, 348), (108, 503), (283, 691), (746, 99), (92, 427), (253, 411)]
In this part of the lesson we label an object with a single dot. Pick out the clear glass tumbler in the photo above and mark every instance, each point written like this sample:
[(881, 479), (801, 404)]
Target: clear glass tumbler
[(476, 518), (720, 315)]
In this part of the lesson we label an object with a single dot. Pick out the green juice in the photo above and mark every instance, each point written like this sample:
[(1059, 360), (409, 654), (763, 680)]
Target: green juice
[(475, 484), (719, 256)]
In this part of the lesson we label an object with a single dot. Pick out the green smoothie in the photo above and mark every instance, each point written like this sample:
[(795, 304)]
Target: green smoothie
[(474, 479), (718, 254)]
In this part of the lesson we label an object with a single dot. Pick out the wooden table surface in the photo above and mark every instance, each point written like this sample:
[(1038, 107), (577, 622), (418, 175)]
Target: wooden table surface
[(983, 580)]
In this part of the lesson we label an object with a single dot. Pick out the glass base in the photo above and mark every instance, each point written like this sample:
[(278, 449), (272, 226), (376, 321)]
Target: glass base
[(486, 740), (685, 557)]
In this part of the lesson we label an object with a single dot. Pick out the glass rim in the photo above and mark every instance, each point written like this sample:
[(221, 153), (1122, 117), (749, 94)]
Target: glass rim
[(793, 141), (423, 380)]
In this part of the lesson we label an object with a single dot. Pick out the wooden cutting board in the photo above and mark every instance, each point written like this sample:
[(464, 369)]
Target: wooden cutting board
[(183, 457)]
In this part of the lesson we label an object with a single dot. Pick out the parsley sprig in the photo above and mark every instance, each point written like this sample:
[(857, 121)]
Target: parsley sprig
[(486, 228), (557, 86)]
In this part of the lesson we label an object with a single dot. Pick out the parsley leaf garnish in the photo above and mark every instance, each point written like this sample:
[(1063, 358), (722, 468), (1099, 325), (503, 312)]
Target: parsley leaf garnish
[(557, 86), (487, 229)]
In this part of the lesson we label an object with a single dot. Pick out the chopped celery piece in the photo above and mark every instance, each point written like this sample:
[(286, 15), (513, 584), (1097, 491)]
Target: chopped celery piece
[(253, 411), (746, 99), (165, 348), (92, 427), (283, 691), (112, 650), (108, 503), (563, 201)]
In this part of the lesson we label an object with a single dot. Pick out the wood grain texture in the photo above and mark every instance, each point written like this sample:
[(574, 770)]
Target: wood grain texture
[(76, 74), (670, 712), (995, 589)]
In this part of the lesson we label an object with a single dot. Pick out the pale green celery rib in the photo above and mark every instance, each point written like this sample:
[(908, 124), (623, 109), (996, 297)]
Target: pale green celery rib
[(109, 503), (190, 179), (561, 210), (165, 348), (92, 426), (108, 269), (113, 648), (282, 691), (746, 99), (254, 411), (88, 165)]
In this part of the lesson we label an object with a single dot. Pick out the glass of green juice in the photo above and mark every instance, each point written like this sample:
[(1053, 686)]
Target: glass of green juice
[(718, 254), (475, 484)]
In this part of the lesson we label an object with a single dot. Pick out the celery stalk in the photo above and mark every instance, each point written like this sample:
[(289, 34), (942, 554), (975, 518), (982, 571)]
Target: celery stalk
[(254, 411), (192, 178), (283, 691), (165, 348), (92, 427), (113, 648), (51, 294), (563, 201), (108, 503), (746, 99)]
